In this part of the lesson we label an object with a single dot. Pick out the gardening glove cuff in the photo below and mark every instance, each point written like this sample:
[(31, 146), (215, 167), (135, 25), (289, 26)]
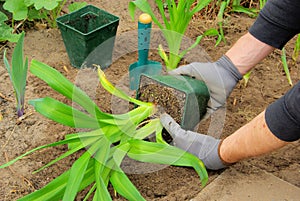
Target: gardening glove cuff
[(205, 147), (226, 76), (227, 64)]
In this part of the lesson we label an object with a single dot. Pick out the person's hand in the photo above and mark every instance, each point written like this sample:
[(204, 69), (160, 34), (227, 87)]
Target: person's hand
[(203, 146), (220, 78)]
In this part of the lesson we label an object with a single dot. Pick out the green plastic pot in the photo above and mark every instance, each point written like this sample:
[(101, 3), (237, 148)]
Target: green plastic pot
[(193, 93), (86, 29)]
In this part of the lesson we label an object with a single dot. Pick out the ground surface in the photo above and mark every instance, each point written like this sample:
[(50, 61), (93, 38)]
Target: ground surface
[(267, 83)]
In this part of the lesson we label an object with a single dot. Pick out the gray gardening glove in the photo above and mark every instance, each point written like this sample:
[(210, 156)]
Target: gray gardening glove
[(220, 78), (203, 146)]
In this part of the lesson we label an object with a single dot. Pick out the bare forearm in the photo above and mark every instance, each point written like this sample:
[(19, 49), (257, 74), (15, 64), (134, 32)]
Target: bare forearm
[(251, 140), (247, 52)]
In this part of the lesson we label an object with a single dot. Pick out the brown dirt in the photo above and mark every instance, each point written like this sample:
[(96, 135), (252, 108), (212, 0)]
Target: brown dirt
[(267, 83)]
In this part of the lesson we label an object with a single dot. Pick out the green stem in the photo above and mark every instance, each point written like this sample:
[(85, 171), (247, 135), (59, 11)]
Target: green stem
[(285, 66)]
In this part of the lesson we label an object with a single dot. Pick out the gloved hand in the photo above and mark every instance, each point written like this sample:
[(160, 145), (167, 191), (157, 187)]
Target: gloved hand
[(203, 146), (220, 78)]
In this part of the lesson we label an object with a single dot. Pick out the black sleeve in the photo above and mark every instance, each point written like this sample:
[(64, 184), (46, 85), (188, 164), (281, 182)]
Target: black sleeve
[(283, 116), (277, 23)]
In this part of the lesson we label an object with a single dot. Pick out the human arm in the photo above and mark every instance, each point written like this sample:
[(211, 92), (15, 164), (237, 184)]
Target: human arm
[(275, 127), (251, 140), (247, 52), (276, 24)]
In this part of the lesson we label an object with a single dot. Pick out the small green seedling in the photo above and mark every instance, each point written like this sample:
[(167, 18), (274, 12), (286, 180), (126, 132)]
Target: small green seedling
[(296, 49), (110, 137), (286, 67), (18, 73)]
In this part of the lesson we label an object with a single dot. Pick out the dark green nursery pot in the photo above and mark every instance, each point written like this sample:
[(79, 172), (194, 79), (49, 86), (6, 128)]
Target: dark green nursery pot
[(84, 30), (194, 93)]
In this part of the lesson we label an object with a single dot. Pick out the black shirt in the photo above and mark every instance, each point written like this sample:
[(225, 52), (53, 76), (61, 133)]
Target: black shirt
[(277, 23)]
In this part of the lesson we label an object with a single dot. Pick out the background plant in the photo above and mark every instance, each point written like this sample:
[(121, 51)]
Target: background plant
[(30, 10), (296, 48), (285, 66), (174, 24), (231, 6), (37, 9), (6, 31), (251, 9), (108, 139), (18, 73)]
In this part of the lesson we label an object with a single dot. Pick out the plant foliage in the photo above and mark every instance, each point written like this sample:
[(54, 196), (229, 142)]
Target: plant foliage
[(38, 9), (18, 73), (110, 137), (6, 32), (174, 24)]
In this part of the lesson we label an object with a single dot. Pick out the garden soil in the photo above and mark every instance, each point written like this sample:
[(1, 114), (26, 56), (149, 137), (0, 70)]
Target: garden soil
[(267, 83)]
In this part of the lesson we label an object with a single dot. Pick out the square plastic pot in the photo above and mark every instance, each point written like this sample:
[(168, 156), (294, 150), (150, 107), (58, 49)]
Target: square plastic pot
[(192, 97), (86, 29)]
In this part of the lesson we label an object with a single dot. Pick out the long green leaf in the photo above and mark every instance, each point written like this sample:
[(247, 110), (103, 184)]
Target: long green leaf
[(117, 92), (83, 143), (61, 84), (62, 142), (7, 65), (64, 114), (55, 189), (144, 6), (52, 191), (148, 129), (120, 152), (200, 5), (77, 172), (17, 66), (124, 187), (100, 160), (161, 8), (64, 155), (18, 73), (165, 154), (88, 195), (296, 49), (286, 67), (184, 52)]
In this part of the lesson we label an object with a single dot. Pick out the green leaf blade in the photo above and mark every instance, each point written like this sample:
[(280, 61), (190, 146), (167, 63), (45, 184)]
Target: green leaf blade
[(62, 85), (124, 187), (64, 114), (165, 154), (76, 175)]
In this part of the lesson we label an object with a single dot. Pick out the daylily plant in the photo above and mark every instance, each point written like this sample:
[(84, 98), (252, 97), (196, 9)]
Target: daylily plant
[(110, 138), (174, 24)]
